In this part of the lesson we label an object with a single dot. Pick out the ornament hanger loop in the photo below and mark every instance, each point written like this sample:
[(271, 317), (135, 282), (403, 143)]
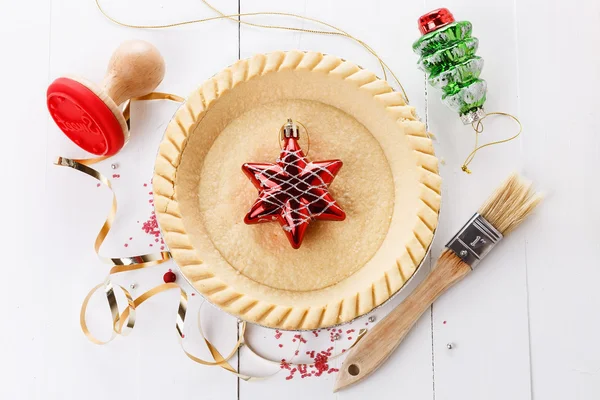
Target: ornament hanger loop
[(478, 128), (281, 135)]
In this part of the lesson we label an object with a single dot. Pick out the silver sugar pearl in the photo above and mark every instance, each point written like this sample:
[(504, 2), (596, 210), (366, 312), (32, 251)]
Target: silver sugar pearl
[(337, 336), (133, 286), (371, 319), (114, 166), (449, 346), (463, 253)]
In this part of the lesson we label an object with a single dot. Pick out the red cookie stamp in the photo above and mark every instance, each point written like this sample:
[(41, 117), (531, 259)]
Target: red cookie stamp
[(90, 115)]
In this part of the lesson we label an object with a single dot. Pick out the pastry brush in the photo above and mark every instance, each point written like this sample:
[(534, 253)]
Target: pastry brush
[(512, 202)]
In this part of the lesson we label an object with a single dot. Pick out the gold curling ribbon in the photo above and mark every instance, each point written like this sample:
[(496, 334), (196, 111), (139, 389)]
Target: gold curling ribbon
[(149, 96), (123, 323), (126, 319), (478, 128), (119, 264)]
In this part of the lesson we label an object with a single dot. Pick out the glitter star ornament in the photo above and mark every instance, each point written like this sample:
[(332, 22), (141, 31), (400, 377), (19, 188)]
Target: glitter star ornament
[(293, 191)]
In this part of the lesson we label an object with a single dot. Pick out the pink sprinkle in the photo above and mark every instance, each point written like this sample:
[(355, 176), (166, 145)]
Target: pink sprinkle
[(444, 322), (349, 337), (116, 176), (145, 184), (182, 336), (193, 294), (162, 247), (319, 365), (151, 226), (280, 345), (97, 185), (150, 245), (130, 238), (126, 245)]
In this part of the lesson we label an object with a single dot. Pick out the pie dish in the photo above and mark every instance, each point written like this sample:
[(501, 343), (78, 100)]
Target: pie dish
[(389, 188)]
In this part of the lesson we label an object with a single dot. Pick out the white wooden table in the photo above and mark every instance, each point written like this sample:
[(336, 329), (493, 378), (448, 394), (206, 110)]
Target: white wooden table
[(525, 325)]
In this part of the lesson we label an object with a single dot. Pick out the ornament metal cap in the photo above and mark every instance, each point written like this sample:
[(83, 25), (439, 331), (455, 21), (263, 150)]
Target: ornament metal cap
[(290, 129), (472, 116), (434, 20)]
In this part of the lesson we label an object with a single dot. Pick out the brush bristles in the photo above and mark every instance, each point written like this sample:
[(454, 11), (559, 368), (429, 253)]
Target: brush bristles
[(512, 202)]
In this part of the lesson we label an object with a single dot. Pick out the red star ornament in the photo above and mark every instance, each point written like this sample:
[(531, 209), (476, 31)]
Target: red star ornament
[(293, 191)]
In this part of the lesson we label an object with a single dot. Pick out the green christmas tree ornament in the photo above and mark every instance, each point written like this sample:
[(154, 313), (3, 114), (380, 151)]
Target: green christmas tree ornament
[(447, 55)]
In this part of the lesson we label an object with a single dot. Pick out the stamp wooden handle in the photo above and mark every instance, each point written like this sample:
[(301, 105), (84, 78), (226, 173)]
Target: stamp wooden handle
[(135, 69), (377, 345)]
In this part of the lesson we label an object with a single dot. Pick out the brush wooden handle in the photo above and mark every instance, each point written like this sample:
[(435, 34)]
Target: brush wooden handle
[(377, 345)]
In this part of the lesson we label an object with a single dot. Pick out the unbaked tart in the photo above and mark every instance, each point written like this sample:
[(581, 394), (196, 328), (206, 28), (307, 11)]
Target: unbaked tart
[(389, 188)]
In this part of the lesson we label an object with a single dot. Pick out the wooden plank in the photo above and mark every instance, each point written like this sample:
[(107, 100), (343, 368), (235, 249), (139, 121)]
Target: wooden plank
[(485, 316), (24, 44), (390, 29), (149, 363), (559, 83)]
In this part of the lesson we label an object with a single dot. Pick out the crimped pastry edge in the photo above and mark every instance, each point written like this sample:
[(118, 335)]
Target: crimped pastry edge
[(243, 305)]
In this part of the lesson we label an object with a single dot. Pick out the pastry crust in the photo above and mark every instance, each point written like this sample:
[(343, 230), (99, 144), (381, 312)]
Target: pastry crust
[(389, 187)]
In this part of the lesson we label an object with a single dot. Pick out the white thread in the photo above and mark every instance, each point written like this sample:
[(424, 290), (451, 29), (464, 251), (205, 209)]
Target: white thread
[(304, 213)]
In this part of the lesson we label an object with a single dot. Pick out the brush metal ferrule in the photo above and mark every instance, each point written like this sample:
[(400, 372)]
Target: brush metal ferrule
[(474, 240)]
